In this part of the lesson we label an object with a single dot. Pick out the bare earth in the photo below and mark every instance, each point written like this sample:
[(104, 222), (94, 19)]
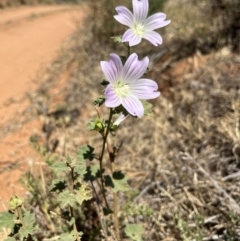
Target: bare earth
[(29, 40)]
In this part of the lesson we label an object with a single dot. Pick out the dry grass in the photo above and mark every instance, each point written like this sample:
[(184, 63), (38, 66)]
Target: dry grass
[(14, 3)]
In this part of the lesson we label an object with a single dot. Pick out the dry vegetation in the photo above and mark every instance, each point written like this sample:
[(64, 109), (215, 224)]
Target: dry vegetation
[(14, 3), (185, 161)]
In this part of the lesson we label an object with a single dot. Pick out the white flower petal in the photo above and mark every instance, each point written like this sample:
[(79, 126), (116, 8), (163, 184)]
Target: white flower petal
[(120, 119), (131, 37), (134, 69), (124, 16), (133, 105), (156, 21), (112, 100), (153, 37), (144, 89), (140, 10), (112, 69)]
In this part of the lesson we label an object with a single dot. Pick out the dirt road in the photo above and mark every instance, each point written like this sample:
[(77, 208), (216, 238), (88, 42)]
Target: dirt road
[(29, 40)]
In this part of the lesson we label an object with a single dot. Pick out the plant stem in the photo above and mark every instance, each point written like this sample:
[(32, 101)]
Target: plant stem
[(115, 208), (111, 157), (105, 135), (19, 212), (128, 53)]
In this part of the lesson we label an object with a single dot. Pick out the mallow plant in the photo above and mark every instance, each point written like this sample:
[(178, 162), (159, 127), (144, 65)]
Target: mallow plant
[(83, 177)]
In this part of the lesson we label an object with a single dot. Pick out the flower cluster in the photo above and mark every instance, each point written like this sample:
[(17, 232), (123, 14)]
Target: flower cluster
[(126, 87)]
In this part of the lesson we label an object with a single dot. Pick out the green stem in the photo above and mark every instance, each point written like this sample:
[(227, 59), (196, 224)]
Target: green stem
[(105, 135), (19, 212), (115, 209), (128, 53)]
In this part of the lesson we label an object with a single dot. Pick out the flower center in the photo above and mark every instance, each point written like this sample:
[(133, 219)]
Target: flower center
[(121, 89), (138, 29)]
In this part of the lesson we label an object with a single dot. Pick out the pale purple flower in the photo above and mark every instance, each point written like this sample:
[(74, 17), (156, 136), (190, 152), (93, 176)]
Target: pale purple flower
[(139, 25), (126, 87)]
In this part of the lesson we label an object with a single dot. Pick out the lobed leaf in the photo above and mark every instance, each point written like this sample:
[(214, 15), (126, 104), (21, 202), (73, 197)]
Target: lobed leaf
[(58, 185), (100, 100), (117, 39), (92, 173), (84, 193), (28, 225), (7, 220), (118, 182), (60, 167), (69, 236), (10, 239), (66, 198), (85, 152), (147, 108)]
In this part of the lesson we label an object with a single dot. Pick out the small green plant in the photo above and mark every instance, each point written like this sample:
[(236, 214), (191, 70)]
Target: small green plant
[(18, 223)]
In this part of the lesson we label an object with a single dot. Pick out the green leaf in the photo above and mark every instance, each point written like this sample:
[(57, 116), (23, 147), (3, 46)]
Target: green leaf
[(96, 125), (134, 231), (71, 221), (80, 169), (7, 220), (84, 193), (69, 236), (147, 108), (85, 152), (117, 39), (118, 182), (9, 239), (60, 167), (28, 225), (68, 159), (100, 100), (58, 185), (66, 198), (92, 173)]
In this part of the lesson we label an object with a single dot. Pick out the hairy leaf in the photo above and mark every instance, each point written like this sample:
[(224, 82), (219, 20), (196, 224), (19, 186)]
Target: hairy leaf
[(28, 225), (92, 173), (134, 231), (85, 152), (147, 108), (99, 101), (80, 168), (69, 236), (66, 198), (117, 39), (118, 182), (10, 239), (84, 193), (96, 125), (6, 220), (60, 167), (58, 185)]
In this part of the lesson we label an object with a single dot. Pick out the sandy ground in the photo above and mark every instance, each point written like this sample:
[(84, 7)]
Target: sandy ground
[(29, 40)]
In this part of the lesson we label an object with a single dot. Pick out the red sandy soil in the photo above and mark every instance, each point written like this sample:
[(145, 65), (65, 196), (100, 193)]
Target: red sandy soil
[(29, 40)]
